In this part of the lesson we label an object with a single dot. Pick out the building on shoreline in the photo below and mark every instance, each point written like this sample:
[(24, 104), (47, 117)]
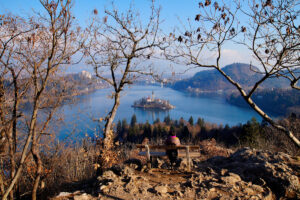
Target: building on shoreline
[(153, 103)]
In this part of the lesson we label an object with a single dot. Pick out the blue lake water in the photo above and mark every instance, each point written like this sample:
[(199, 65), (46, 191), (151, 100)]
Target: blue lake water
[(79, 116)]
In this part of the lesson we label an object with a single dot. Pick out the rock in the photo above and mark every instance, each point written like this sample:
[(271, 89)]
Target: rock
[(183, 165), (104, 189), (83, 196), (117, 169), (231, 179), (270, 170), (258, 188), (64, 194), (249, 191), (108, 175), (268, 196), (224, 172), (144, 168), (161, 189), (128, 171), (160, 163), (131, 187), (294, 183), (134, 164), (143, 187)]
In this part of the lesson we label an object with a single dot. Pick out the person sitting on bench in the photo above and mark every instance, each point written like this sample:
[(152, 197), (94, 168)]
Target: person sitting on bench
[(172, 153)]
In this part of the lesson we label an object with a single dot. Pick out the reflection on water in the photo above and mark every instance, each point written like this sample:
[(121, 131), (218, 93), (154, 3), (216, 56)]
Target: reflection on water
[(151, 114)]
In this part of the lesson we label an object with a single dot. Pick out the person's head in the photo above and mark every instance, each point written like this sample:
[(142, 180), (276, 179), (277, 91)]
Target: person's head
[(172, 133)]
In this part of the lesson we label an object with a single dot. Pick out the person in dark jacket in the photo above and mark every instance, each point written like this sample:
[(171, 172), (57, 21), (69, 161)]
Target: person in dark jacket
[(172, 153)]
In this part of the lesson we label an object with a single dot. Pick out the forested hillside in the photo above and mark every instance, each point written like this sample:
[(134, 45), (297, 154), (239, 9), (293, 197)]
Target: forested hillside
[(286, 101)]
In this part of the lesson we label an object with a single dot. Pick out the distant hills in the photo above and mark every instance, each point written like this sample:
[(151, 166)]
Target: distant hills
[(274, 95), (213, 81)]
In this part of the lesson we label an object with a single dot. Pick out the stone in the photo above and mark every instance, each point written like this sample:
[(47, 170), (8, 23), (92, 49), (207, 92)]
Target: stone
[(268, 196), (64, 194), (104, 189), (258, 188), (117, 169), (83, 196), (161, 189), (249, 191), (128, 171), (109, 175), (294, 182), (160, 163), (231, 179), (224, 172), (134, 164), (183, 165), (143, 187)]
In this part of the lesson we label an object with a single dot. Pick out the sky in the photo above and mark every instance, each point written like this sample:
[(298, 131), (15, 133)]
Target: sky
[(172, 10), (82, 9)]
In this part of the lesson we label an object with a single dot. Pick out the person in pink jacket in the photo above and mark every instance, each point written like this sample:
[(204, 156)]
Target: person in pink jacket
[(172, 153)]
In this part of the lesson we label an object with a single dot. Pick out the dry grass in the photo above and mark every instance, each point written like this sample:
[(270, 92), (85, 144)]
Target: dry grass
[(210, 148)]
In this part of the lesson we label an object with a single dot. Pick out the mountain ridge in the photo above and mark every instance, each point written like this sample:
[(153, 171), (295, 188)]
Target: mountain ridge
[(213, 81)]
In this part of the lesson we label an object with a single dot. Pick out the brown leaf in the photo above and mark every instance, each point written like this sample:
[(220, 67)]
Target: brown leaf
[(244, 29), (179, 39), (223, 15), (288, 31), (187, 34), (105, 19), (95, 11), (199, 37), (268, 3), (207, 2), (267, 51), (216, 5)]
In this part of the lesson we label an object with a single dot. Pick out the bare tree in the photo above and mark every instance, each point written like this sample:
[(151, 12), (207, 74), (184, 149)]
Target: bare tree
[(121, 45), (12, 29), (267, 28), (33, 52)]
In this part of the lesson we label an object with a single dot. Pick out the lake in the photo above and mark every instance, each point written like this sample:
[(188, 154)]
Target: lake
[(79, 116)]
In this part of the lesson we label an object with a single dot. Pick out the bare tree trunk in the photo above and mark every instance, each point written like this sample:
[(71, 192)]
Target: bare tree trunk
[(108, 132), (12, 160), (1, 182), (38, 161), (23, 155), (12, 137), (258, 110)]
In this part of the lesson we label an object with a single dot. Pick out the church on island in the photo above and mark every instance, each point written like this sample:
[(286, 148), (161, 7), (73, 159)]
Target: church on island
[(153, 103)]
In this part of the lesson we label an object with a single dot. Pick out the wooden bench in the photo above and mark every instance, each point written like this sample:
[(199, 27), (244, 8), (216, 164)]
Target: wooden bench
[(150, 153)]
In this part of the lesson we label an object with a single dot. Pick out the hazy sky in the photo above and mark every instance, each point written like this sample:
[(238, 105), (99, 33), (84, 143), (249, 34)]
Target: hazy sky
[(171, 11)]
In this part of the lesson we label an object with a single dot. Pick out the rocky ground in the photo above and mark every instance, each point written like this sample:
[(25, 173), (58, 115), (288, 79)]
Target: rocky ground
[(245, 174)]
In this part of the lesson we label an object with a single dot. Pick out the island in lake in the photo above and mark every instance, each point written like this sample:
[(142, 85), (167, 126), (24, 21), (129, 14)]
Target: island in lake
[(153, 103)]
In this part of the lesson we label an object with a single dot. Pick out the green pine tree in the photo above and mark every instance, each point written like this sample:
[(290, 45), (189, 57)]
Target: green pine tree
[(133, 120), (191, 121)]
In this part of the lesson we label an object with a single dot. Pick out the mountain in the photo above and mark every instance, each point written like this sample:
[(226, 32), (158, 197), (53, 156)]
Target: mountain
[(212, 80)]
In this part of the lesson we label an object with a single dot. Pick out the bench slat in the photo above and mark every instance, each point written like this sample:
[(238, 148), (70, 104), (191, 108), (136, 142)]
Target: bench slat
[(152, 153), (168, 146), (162, 154)]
